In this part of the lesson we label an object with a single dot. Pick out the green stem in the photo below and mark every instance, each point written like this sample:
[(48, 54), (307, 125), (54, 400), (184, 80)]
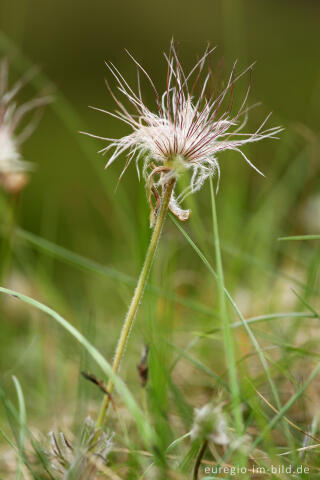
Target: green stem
[(226, 327), (198, 460), (137, 296)]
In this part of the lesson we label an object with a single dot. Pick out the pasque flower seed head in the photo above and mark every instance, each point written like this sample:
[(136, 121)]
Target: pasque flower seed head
[(13, 169), (187, 130)]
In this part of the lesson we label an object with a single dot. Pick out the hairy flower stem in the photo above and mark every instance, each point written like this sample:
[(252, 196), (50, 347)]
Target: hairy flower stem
[(137, 296)]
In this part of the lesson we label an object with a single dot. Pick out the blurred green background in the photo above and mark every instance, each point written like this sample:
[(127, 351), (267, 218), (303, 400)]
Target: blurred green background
[(71, 200)]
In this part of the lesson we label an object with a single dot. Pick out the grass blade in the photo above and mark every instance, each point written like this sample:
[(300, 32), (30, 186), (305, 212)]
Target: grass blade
[(84, 263), (286, 407), (22, 425), (229, 342), (242, 321), (144, 428), (300, 237)]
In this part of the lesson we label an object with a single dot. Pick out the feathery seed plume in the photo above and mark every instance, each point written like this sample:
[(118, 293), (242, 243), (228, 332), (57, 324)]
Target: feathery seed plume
[(13, 169), (185, 131)]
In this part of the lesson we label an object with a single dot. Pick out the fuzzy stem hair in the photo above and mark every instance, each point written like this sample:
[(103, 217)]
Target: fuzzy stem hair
[(137, 296)]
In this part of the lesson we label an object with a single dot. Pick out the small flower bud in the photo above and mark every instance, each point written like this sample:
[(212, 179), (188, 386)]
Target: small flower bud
[(210, 423), (81, 460)]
